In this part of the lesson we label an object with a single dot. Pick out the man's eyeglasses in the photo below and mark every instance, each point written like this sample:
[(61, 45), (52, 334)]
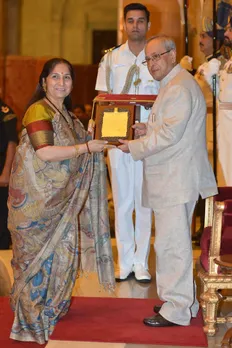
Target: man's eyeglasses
[(154, 58)]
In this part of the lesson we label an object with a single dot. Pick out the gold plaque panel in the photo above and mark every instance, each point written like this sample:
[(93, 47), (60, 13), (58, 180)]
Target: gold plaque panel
[(114, 122)]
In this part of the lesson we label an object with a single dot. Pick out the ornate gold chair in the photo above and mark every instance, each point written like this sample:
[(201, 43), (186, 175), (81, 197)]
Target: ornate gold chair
[(225, 263), (216, 241)]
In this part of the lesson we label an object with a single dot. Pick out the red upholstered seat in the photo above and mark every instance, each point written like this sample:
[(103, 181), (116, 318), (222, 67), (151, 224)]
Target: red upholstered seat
[(226, 243), (225, 194)]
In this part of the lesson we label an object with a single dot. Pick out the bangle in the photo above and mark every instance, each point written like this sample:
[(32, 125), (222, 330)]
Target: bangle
[(76, 154), (87, 145)]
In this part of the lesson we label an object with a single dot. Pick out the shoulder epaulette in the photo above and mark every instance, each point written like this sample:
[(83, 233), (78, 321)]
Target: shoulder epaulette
[(112, 49), (5, 109)]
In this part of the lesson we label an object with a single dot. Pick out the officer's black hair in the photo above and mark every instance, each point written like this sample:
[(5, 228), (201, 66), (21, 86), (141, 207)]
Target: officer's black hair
[(136, 6)]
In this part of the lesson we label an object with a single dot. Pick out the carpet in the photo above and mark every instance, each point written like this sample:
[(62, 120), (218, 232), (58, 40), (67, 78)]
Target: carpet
[(119, 320), (6, 320)]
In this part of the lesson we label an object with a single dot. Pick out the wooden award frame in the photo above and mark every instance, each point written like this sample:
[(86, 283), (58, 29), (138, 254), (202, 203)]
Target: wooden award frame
[(100, 114)]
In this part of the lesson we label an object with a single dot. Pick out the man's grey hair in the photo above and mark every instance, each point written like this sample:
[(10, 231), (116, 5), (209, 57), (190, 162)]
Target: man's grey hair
[(167, 41)]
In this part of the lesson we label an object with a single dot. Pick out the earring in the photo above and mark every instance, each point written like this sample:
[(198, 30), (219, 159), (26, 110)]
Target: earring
[(44, 87)]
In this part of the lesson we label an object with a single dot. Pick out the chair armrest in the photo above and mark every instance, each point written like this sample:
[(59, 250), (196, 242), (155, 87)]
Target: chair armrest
[(209, 209)]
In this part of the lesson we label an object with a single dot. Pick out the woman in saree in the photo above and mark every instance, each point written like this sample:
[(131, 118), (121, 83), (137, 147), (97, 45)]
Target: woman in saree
[(58, 212)]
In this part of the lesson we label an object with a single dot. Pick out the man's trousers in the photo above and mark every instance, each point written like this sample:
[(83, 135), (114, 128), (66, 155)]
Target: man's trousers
[(174, 263)]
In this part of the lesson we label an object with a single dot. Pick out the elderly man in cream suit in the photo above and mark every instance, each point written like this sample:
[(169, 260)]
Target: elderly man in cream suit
[(176, 170)]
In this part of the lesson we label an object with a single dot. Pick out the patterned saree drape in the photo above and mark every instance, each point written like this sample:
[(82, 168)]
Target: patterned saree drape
[(58, 218)]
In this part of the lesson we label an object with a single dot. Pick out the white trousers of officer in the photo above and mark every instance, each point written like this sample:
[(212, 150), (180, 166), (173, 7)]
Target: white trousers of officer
[(133, 240), (225, 143), (174, 263)]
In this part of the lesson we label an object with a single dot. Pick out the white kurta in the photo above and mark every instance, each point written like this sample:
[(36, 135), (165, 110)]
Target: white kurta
[(127, 175), (176, 171)]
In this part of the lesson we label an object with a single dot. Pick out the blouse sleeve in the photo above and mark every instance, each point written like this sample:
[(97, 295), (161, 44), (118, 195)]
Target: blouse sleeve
[(38, 123)]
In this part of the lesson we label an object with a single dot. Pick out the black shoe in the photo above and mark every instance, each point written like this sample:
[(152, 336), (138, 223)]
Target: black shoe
[(130, 276), (158, 321), (156, 309)]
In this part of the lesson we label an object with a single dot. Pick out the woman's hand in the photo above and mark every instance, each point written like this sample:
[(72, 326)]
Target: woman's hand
[(98, 145)]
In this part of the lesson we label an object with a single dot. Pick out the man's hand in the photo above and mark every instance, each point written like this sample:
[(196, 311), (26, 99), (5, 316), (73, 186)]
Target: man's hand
[(124, 147), (140, 129)]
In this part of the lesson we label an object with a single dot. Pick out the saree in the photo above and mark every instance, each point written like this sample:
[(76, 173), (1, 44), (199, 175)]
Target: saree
[(58, 219)]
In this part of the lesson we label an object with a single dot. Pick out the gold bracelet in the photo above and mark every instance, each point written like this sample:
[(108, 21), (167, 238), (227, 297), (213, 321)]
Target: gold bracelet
[(76, 147), (87, 145)]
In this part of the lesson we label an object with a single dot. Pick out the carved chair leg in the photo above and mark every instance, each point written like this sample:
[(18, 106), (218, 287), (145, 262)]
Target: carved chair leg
[(227, 339), (203, 290), (211, 299)]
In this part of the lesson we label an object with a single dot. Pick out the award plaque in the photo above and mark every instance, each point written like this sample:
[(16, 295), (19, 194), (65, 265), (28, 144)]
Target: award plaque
[(115, 114), (114, 122)]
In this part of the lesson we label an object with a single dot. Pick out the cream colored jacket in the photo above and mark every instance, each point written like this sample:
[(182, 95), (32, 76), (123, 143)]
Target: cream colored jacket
[(176, 165)]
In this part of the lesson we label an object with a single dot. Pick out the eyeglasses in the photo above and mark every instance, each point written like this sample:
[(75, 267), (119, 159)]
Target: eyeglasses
[(154, 58)]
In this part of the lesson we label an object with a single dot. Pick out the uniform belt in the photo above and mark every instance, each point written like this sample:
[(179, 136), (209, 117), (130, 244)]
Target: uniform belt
[(225, 106), (209, 109)]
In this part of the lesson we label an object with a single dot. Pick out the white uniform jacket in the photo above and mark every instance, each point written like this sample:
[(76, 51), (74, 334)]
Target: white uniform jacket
[(224, 94), (202, 81), (120, 60), (176, 165)]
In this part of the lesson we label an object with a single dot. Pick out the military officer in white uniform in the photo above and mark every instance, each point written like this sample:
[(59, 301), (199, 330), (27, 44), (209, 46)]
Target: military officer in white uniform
[(176, 171), (224, 93), (121, 72), (206, 47)]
